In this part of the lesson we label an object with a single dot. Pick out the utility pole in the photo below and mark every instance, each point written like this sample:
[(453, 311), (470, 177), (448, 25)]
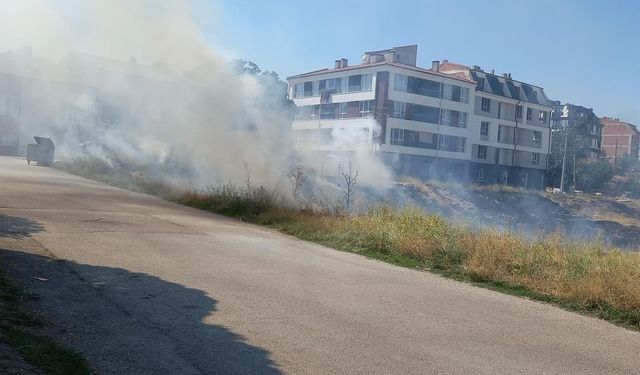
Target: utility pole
[(319, 123), (574, 169), (564, 160), (615, 160)]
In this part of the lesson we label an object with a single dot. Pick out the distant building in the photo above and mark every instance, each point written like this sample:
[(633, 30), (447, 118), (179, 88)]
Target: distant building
[(586, 127), (449, 122), (619, 138)]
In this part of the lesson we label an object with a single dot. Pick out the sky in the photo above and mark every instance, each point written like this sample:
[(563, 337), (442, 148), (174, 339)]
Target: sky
[(584, 52)]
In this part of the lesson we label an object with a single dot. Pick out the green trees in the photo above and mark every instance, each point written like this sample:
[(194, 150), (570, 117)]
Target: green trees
[(580, 172), (593, 175), (571, 141)]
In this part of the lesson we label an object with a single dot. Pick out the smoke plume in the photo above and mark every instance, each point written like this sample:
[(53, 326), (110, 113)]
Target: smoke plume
[(138, 81)]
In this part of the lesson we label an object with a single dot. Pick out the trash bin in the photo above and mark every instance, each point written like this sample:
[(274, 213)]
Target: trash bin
[(41, 152)]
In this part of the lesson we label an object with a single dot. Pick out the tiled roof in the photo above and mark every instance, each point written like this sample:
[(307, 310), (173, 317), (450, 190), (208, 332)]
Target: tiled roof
[(499, 85)]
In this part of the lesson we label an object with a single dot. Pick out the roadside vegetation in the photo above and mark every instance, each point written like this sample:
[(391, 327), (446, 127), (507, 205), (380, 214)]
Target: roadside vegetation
[(19, 330), (588, 277)]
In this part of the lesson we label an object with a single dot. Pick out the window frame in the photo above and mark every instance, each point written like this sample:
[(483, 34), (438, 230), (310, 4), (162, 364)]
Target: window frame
[(485, 104), (481, 153), (535, 158), (484, 125), (399, 140)]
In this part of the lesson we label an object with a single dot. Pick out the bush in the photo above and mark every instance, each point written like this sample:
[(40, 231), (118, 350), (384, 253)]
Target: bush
[(593, 175)]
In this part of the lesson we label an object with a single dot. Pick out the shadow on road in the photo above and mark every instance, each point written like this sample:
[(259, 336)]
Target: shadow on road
[(125, 322), (18, 227)]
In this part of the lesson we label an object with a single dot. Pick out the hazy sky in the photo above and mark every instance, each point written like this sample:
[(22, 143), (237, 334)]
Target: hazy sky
[(584, 52)]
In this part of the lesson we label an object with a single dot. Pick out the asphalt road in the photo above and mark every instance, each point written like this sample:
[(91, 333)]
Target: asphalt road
[(143, 286)]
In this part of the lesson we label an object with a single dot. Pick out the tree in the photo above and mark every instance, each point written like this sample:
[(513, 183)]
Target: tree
[(593, 175), (628, 164), (578, 141), (269, 78), (350, 181)]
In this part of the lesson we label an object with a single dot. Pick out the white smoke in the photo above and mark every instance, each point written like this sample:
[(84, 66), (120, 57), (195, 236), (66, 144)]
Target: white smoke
[(183, 102)]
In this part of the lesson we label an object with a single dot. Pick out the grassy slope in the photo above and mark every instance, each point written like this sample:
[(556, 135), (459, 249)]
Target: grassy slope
[(18, 330), (584, 277)]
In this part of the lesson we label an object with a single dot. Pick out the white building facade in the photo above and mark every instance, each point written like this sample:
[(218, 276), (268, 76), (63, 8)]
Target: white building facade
[(440, 122)]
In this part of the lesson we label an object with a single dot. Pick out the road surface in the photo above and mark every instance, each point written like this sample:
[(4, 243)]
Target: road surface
[(142, 286)]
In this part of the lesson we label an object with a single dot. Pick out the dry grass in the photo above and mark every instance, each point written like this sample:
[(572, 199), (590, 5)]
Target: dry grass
[(588, 277), (583, 276)]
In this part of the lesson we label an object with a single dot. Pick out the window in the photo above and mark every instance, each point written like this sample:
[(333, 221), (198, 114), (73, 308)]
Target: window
[(424, 113), (423, 87), (315, 111), (499, 109), (399, 109), (411, 138), (451, 143), (332, 85), (486, 105), (366, 108), (4, 140), (484, 128), (482, 152), (299, 91), (499, 132), (355, 83), (342, 110), (535, 158), (400, 82), (529, 114), (480, 174), (453, 118), (464, 95), (397, 136), (308, 89), (366, 82), (329, 111), (480, 83), (537, 136), (518, 111), (456, 93), (542, 117)]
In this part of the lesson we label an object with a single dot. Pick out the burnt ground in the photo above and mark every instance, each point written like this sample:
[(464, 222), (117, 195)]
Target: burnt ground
[(581, 217)]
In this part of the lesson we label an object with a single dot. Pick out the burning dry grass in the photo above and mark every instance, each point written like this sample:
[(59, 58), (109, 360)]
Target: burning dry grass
[(583, 276)]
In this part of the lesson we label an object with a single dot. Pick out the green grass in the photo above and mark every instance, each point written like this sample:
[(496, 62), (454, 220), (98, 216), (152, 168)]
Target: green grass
[(18, 328)]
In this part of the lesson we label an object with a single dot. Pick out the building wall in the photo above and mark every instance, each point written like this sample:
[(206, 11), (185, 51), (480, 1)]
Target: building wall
[(619, 139)]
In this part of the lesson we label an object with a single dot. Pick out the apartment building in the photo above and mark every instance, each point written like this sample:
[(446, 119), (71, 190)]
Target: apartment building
[(619, 138), (585, 126), (449, 121)]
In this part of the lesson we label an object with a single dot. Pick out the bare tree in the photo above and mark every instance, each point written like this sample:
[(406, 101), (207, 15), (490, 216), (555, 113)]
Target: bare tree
[(247, 182), (350, 181), (297, 178)]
